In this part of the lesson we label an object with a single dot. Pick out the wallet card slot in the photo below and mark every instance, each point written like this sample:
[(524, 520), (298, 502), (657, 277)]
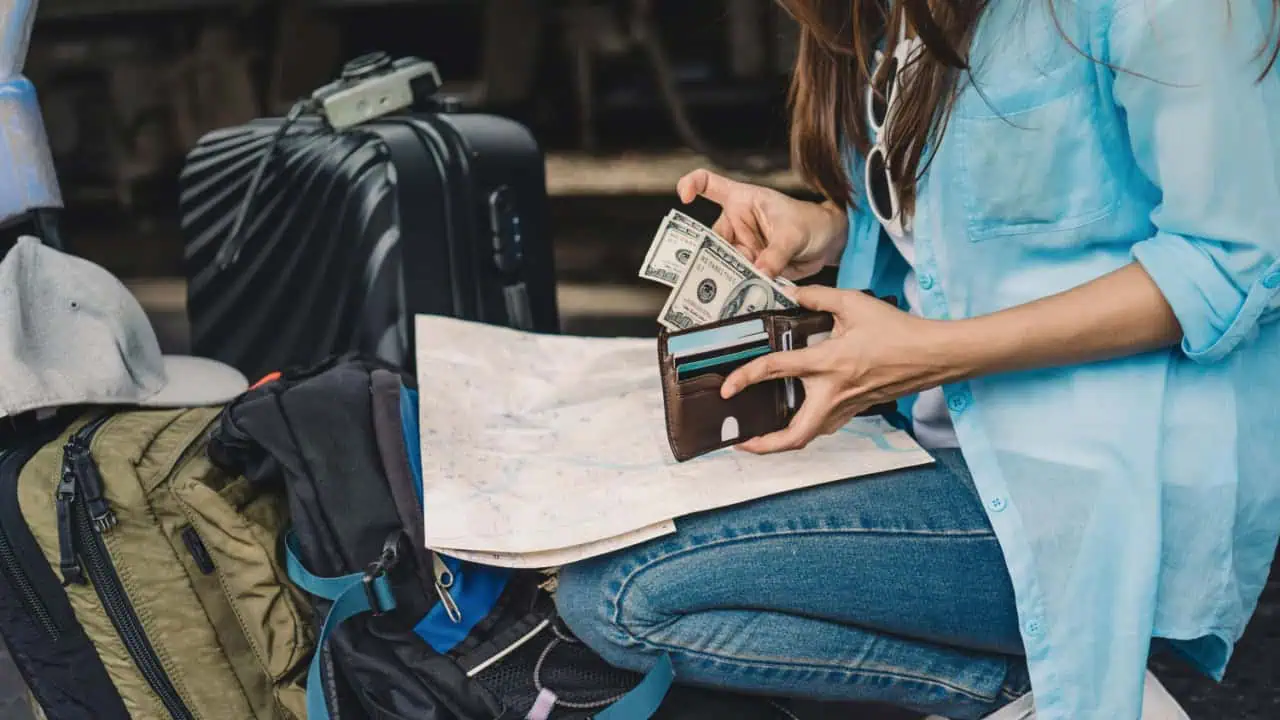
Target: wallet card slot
[(721, 365), (789, 384), (706, 382), (717, 337)]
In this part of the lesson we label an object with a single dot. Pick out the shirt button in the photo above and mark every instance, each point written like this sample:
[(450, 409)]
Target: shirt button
[(926, 281), (1272, 281), (960, 401), (998, 504), (1034, 628)]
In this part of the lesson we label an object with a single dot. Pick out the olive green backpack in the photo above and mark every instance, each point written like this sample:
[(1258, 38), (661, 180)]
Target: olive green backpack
[(171, 567)]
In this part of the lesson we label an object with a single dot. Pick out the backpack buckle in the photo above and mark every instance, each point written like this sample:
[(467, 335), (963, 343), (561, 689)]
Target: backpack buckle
[(371, 592), (378, 570)]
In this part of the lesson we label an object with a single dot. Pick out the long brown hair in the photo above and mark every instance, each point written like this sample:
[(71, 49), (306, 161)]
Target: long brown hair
[(828, 96)]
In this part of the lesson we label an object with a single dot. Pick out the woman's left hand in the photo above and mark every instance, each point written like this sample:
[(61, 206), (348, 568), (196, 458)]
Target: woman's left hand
[(876, 353)]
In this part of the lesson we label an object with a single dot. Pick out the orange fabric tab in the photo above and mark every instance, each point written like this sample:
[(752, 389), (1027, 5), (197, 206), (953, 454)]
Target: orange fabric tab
[(269, 377)]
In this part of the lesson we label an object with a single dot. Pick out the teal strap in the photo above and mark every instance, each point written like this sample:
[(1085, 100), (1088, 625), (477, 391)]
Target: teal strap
[(349, 599), (644, 699)]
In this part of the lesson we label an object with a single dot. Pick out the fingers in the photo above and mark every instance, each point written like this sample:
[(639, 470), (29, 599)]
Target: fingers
[(804, 427), (823, 298), (713, 187), (772, 260), (793, 363), (742, 236), (724, 228), (814, 419)]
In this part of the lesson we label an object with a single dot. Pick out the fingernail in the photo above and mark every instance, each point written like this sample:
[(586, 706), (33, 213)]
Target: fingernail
[(727, 391)]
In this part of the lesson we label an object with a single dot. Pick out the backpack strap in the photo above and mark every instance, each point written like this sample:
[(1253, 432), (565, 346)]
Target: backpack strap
[(351, 595), (643, 700), (370, 591)]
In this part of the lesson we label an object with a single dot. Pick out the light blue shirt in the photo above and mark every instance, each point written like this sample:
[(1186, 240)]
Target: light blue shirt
[(1135, 498)]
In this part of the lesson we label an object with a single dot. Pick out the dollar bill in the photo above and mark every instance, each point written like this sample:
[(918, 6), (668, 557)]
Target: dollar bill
[(687, 222), (719, 283), (672, 248)]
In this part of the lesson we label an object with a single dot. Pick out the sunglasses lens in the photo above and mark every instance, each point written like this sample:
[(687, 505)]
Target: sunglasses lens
[(878, 185), (879, 109), (883, 82)]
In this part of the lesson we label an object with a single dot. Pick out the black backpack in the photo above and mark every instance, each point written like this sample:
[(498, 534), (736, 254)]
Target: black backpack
[(412, 634), (50, 648)]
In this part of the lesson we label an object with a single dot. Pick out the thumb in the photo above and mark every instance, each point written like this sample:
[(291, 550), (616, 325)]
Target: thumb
[(791, 363), (822, 298), (713, 187)]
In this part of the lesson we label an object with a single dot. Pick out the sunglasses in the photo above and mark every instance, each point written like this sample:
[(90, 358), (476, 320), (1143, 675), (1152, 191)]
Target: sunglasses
[(882, 101)]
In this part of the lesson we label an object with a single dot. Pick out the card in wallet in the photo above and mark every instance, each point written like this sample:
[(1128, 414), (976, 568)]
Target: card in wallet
[(695, 362)]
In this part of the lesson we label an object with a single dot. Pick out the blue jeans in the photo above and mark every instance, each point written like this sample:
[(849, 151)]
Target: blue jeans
[(888, 589)]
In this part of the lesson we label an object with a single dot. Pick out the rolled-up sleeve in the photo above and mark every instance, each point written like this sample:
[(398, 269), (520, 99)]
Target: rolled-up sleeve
[(1206, 134)]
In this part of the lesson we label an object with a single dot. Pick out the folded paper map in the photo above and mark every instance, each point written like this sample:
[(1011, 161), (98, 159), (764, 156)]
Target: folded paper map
[(566, 555), (557, 445)]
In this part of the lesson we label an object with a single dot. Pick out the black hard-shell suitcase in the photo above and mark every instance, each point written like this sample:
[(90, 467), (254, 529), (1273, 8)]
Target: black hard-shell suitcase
[(350, 233), (46, 642)]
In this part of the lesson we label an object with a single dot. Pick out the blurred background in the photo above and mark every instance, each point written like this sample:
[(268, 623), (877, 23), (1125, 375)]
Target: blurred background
[(624, 96)]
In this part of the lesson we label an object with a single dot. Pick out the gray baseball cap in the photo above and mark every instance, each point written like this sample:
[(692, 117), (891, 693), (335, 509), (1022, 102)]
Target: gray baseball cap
[(73, 334)]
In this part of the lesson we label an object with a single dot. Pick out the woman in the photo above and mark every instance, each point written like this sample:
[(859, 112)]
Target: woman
[(1080, 203)]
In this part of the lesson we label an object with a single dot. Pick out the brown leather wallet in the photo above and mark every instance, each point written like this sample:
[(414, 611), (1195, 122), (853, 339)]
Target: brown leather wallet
[(699, 421)]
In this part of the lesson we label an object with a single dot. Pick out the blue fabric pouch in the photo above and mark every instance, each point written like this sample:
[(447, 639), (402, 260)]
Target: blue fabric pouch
[(475, 588)]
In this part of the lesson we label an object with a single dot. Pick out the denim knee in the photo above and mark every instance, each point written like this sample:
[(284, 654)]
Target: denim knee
[(590, 601)]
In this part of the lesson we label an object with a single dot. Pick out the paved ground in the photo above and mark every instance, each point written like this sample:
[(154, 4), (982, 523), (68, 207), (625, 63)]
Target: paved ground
[(600, 243)]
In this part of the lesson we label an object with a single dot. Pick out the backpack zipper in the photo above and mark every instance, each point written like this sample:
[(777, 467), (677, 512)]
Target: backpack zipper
[(444, 581), (85, 516), (74, 482), (77, 455), (12, 568)]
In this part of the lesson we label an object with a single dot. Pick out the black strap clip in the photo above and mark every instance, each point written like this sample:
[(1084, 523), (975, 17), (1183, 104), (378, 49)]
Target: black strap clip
[(386, 562)]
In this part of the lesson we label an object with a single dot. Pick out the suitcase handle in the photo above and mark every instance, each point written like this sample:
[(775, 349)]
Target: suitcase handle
[(405, 148), (229, 253)]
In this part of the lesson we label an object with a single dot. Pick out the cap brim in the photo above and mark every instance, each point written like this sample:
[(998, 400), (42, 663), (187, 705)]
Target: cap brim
[(196, 382)]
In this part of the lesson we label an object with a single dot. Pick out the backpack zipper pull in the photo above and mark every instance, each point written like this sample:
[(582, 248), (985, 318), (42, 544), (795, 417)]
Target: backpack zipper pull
[(69, 562), (91, 484), (444, 581)]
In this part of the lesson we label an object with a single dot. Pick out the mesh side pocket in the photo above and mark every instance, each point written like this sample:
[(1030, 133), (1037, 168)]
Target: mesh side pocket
[(582, 681)]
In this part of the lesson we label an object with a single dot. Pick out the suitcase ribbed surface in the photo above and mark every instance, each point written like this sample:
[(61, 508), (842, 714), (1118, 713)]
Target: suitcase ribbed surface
[(319, 267)]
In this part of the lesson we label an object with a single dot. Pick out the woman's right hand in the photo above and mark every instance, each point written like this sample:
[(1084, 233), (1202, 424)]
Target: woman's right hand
[(780, 234)]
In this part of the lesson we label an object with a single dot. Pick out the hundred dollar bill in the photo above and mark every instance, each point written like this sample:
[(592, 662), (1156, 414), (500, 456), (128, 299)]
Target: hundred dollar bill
[(686, 222), (672, 247), (719, 283)]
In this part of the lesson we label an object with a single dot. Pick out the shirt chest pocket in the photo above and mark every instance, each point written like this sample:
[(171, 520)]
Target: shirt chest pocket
[(1033, 158)]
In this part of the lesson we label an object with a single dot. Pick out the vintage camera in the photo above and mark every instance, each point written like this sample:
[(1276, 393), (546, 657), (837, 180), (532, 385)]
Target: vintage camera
[(374, 85)]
